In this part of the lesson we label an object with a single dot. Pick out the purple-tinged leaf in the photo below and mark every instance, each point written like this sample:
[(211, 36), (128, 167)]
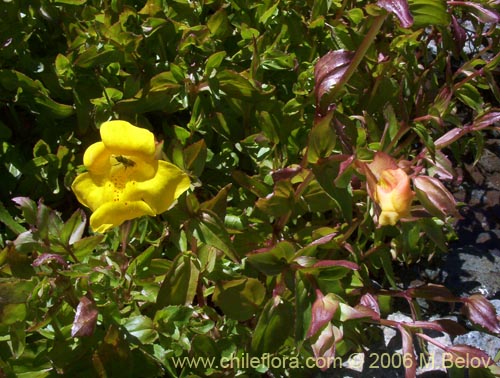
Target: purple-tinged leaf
[(286, 173), (450, 137), (480, 311), (400, 9), (442, 167), (434, 196), (322, 311), (85, 318), (325, 345), (370, 301), (28, 207), (344, 263), (441, 325), (48, 257), (459, 35), (324, 239), (480, 12), (433, 292), (409, 359), (486, 120), (329, 71), (349, 313), (467, 356)]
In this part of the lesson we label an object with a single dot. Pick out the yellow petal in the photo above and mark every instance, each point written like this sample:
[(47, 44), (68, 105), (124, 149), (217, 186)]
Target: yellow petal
[(388, 218), (123, 138), (393, 195), (96, 159), (162, 190), (112, 214), (88, 193)]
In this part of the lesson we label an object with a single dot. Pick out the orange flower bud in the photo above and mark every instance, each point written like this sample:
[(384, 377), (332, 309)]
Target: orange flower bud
[(389, 187), (394, 196)]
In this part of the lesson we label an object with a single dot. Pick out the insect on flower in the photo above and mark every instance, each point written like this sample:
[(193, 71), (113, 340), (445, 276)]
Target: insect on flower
[(125, 161)]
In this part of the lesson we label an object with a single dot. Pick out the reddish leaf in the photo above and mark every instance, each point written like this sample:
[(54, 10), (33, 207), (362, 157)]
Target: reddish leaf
[(433, 292), (408, 352), (481, 13), (344, 263), (329, 71), (85, 318), (467, 356), (324, 239), (459, 35), (286, 173), (480, 311), (450, 137), (47, 257), (323, 310), (486, 120), (370, 301), (441, 325), (358, 312), (324, 346), (400, 9), (435, 197)]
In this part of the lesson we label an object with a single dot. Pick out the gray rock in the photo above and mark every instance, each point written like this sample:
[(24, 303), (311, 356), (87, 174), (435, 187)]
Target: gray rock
[(488, 343), (473, 270)]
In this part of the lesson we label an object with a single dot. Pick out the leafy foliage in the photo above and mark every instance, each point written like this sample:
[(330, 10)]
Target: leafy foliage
[(274, 109)]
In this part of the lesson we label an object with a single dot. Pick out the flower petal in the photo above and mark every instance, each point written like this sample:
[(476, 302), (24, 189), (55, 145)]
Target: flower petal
[(112, 214), (162, 190), (388, 218), (123, 138), (96, 159), (88, 192), (393, 195), (381, 162)]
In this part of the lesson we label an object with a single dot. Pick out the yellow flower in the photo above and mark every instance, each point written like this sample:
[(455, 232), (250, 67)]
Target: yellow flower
[(389, 186), (394, 195), (124, 179)]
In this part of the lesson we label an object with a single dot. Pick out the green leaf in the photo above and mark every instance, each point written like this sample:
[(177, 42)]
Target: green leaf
[(240, 299), (71, 2), (429, 12), (33, 94), (273, 326), (236, 85), (304, 298), (140, 266), (209, 229), (470, 96), (72, 230), (218, 203), (9, 221), (322, 139), (17, 334), (214, 61), (274, 260), (280, 202), (326, 172), (14, 294), (219, 24), (141, 327), (180, 283), (83, 247), (195, 157)]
